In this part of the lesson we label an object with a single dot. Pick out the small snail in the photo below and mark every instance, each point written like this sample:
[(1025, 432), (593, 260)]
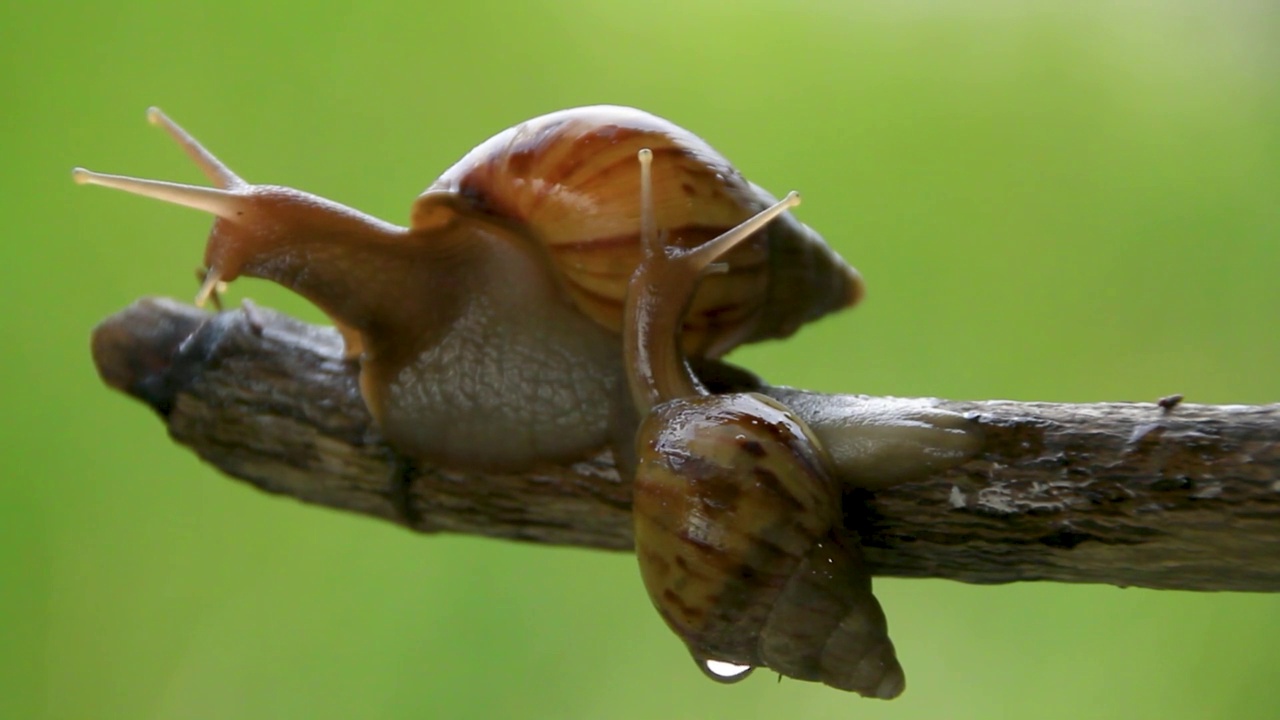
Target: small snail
[(487, 330), (738, 524)]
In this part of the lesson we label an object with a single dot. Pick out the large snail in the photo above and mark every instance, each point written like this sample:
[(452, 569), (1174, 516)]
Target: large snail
[(738, 523), (487, 331)]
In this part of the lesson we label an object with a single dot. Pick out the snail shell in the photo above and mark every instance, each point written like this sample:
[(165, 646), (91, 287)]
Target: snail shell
[(568, 179), (738, 531)]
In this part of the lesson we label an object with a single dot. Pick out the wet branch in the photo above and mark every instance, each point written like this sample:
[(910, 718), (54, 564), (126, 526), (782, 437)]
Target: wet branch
[(1184, 497)]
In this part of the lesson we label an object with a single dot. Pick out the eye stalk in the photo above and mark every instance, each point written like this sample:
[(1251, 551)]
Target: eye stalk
[(226, 201), (212, 200), (660, 292), (254, 221)]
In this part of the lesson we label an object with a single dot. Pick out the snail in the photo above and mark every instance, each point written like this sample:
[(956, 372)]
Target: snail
[(737, 513), (487, 330)]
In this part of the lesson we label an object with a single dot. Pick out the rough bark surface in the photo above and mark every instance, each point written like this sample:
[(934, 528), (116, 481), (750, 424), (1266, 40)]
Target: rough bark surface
[(1160, 495)]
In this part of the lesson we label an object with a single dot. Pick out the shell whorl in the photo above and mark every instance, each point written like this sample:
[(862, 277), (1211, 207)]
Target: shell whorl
[(740, 542), (568, 179)]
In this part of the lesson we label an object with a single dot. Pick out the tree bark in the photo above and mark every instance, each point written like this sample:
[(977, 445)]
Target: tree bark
[(1159, 495)]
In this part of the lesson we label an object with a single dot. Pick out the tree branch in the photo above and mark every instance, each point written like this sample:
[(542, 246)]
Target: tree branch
[(1184, 497)]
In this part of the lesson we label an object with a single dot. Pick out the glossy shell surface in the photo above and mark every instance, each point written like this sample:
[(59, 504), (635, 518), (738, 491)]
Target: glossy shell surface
[(722, 517), (569, 180), (738, 532)]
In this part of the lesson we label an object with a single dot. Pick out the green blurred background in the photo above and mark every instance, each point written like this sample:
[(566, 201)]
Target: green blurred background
[(1066, 201)]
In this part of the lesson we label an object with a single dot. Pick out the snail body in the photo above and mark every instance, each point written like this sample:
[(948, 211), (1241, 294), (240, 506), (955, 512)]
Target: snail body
[(738, 522), (487, 330)]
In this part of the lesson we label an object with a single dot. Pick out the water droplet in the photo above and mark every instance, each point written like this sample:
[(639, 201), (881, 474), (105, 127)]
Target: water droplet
[(725, 672)]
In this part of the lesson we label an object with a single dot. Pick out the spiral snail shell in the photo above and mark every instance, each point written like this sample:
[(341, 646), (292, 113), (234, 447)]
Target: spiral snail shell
[(487, 330), (569, 177), (738, 523)]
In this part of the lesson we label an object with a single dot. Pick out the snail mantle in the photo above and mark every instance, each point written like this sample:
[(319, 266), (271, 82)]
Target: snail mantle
[(1158, 495)]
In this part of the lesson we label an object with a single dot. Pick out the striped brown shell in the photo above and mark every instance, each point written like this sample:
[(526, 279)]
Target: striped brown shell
[(740, 539), (568, 180)]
